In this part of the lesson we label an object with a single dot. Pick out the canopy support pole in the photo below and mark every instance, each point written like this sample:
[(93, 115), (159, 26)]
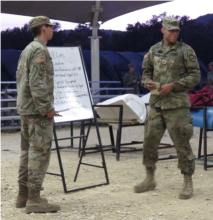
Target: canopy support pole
[(95, 52)]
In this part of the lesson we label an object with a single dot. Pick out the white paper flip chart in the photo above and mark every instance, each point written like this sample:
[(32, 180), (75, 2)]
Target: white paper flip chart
[(71, 87)]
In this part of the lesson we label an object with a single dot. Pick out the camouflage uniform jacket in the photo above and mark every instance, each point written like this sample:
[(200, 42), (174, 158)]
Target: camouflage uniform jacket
[(210, 79), (35, 80), (177, 64), (128, 82)]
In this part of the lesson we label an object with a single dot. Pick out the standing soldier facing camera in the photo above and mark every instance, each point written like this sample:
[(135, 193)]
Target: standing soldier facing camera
[(132, 80), (35, 105), (172, 66)]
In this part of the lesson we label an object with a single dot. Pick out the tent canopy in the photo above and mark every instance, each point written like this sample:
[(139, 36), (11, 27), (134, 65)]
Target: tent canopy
[(113, 66), (75, 11), (79, 12)]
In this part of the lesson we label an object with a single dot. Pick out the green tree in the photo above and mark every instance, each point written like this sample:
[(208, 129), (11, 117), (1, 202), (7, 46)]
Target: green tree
[(16, 38)]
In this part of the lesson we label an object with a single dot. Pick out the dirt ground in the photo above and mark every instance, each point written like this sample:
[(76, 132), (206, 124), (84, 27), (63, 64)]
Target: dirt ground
[(116, 200)]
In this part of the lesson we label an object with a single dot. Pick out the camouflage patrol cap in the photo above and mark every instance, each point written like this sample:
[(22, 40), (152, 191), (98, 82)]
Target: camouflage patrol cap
[(210, 64), (131, 65), (40, 20), (171, 24)]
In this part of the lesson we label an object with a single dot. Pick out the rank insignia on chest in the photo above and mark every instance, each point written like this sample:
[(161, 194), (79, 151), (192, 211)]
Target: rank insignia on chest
[(163, 61)]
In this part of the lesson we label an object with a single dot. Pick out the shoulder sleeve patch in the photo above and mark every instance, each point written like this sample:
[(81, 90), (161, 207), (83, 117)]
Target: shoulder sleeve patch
[(145, 56), (40, 59), (192, 58), (42, 67)]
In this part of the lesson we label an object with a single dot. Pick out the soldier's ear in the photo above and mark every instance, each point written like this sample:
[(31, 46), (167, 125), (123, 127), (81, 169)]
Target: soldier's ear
[(44, 29), (163, 30)]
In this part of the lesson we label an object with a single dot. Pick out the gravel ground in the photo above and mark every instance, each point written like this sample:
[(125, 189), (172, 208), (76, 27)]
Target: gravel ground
[(116, 200)]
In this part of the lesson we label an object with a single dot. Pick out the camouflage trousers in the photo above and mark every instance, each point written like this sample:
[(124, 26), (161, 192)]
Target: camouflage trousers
[(178, 122), (36, 141), (135, 91)]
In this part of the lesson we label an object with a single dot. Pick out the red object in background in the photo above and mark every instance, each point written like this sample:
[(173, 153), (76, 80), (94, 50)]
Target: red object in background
[(203, 97)]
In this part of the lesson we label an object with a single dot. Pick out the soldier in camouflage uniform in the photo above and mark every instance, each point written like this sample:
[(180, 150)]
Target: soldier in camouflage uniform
[(210, 76), (174, 65), (132, 80), (35, 105)]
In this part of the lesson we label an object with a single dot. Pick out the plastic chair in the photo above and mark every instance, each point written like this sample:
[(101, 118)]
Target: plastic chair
[(203, 118)]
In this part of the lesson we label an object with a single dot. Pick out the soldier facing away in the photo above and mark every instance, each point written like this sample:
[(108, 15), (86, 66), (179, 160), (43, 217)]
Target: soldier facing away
[(132, 80), (175, 67), (35, 105)]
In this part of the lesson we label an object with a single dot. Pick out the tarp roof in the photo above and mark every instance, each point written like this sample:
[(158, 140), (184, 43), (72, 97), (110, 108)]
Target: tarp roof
[(74, 11), (113, 65)]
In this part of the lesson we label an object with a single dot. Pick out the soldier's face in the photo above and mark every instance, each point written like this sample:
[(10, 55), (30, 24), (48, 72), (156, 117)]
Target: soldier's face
[(210, 68), (170, 36), (48, 30), (131, 69)]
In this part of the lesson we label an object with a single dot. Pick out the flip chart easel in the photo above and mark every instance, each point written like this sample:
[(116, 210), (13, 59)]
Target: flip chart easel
[(72, 98)]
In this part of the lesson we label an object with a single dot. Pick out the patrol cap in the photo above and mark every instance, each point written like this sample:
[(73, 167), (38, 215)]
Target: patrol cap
[(210, 64), (40, 20), (171, 23), (131, 65)]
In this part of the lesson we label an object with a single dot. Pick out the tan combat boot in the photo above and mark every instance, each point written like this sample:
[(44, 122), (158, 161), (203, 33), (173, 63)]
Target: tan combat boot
[(187, 190), (36, 204), (149, 182), (23, 197)]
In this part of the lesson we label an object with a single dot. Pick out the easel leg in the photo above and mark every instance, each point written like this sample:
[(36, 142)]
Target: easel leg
[(81, 155), (100, 145), (80, 142), (205, 144), (200, 143), (87, 135), (59, 158), (82, 132), (118, 139), (111, 135), (83, 140), (71, 133)]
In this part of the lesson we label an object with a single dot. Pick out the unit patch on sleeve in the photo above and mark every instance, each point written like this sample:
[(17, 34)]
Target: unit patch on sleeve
[(192, 58), (42, 66)]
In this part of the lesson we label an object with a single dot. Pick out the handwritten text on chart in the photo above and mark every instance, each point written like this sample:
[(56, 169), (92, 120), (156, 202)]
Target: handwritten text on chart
[(68, 89), (71, 89)]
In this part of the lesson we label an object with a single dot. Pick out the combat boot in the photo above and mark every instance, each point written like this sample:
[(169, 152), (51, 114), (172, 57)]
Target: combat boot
[(149, 182), (186, 192), (23, 197), (36, 204)]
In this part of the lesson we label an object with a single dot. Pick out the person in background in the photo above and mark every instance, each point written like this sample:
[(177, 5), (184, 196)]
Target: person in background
[(210, 76), (173, 67), (132, 80), (35, 105)]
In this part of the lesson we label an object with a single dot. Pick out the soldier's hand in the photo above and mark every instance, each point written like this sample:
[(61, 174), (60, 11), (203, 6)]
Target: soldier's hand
[(150, 85), (51, 114), (134, 81), (165, 89)]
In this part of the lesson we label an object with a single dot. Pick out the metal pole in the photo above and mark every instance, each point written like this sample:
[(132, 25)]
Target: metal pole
[(205, 144), (95, 57), (95, 52)]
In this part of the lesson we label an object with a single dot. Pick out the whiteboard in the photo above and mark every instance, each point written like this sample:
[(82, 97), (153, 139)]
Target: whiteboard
[(72, 97)]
